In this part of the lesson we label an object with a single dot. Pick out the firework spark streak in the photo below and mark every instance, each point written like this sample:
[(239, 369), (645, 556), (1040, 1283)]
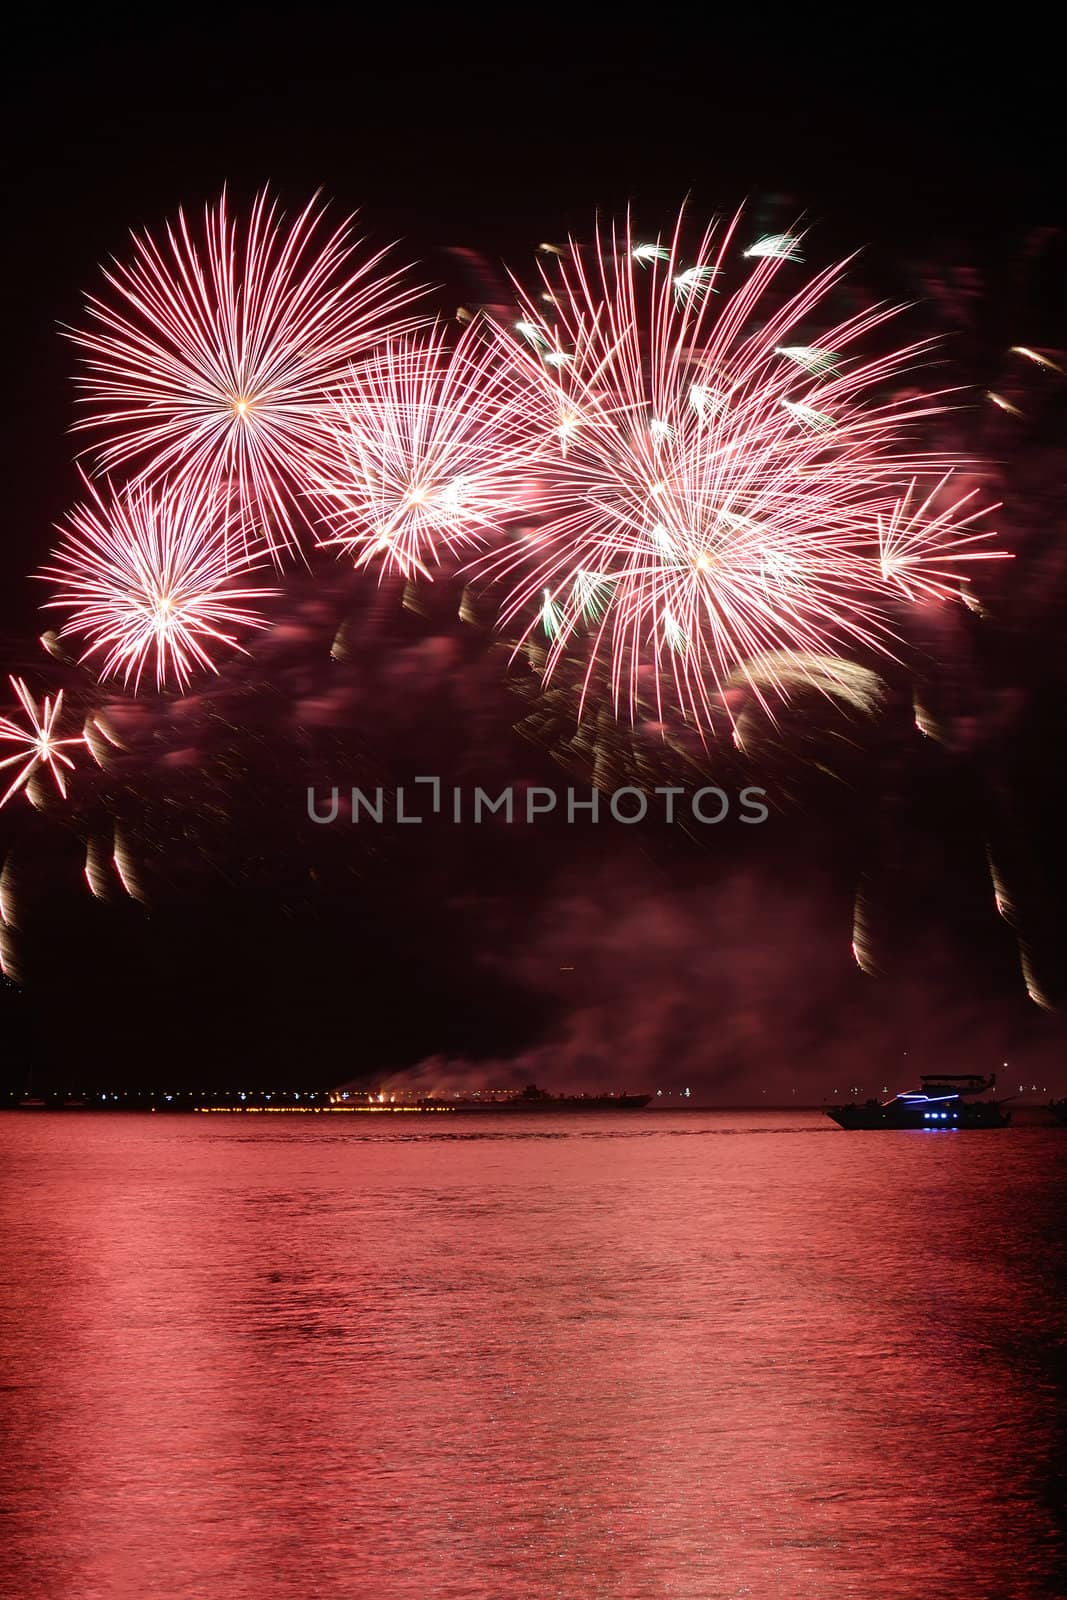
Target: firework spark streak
[(209, 360), (38, 746), (730, 484), (914, 540), (430, 451), (147, 576)]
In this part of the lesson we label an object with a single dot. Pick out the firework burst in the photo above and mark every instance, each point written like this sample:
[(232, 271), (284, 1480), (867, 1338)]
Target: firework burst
[(430, 451), (37, 747), (147, 577), (208, 361), (727, 482)]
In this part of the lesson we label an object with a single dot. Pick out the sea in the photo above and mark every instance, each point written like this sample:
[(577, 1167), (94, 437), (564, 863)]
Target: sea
[(637, 1355)]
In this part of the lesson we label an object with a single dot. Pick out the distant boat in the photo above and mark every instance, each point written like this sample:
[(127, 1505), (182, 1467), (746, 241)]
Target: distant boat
[(944, 1102), (31, 1103)]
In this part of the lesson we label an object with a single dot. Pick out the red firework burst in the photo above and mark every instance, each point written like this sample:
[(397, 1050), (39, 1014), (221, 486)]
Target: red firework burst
[(147, 576), (725, 484), (38, 747), (430, 451), (208, 362)]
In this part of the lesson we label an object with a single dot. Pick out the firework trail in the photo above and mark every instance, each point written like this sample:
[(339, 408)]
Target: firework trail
[(9, 962), (976, 673), (430, 451), (718, 489), (38, 748), (147, 577), (208, 360)]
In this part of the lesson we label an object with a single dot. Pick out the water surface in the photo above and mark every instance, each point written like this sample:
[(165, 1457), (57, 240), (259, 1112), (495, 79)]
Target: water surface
[(642, 1355)]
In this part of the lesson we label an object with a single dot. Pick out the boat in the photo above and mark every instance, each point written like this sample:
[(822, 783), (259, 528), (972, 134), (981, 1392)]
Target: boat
[(944, 1102), (496, 1101)]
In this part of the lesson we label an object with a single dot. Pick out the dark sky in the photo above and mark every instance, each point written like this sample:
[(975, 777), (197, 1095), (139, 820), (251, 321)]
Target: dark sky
[(722, 962)]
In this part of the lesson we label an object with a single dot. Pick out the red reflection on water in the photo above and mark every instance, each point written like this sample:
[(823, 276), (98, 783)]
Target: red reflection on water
[(687, 1357)]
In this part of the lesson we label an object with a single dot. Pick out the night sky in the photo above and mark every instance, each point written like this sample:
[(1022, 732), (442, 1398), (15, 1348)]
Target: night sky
[(615, 957)]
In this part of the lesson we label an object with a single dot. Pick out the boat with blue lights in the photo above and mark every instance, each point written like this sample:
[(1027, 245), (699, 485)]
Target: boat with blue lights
[(943, 1102)]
